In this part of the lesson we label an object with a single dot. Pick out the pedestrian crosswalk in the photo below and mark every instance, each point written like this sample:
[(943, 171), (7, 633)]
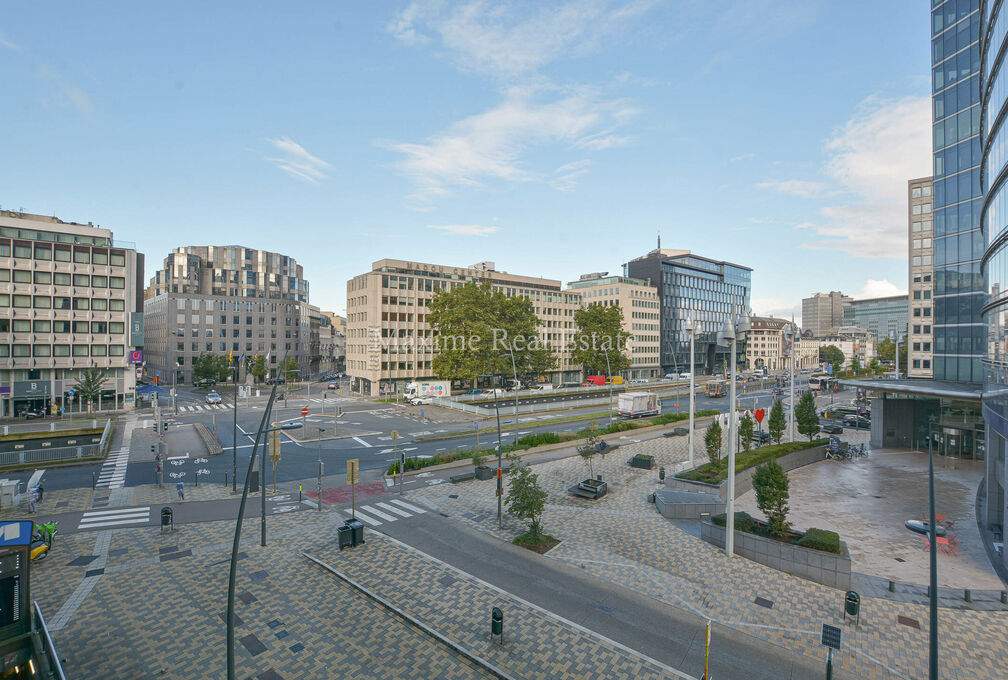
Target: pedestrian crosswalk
[(113, 472), (387, 512), (122, 517), (203, 407)]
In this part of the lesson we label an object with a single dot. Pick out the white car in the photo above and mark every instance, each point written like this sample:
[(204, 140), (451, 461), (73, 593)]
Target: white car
[(213, 398), (418, 401), (685, 376), (639, 381)]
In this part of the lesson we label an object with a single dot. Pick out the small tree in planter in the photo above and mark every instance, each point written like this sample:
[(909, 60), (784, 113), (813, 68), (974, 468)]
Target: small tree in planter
[(481, 471), (590, 448), (776, 424), (746, 431), (712, 441), (771, 486), (526, 500)]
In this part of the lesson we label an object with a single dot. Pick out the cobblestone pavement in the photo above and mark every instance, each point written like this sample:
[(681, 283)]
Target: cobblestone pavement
[(622, 538)]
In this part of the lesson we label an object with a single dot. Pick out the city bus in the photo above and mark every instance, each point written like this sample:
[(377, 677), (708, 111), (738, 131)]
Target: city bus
[(817, 383)]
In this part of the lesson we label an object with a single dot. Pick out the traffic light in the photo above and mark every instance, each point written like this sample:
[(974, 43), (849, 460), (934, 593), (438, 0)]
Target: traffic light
[(152, 448), (166, 427)]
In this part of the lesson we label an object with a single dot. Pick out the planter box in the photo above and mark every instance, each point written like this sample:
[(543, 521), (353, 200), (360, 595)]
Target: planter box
[(743, 479), (485, 472), (829, 569), (589, 488), (642, 462)]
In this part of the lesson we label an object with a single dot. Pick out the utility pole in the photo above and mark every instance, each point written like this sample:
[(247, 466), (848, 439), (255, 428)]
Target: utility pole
[(320, 431)]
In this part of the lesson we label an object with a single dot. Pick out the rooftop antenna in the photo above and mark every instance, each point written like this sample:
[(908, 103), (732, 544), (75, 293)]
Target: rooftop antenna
[(659, 240)]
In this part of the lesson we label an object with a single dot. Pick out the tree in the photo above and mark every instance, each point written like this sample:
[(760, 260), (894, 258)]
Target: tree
[(886, 349), (526, 500), (771, 486), (831, 354), (806, 417), (600, 340), (712, 441), (591, 448), (776, 423), (873, 366), (745, 429), (259, 367), (290, 369), (206, 367), (476, 321), (89, 386), (855, 366)]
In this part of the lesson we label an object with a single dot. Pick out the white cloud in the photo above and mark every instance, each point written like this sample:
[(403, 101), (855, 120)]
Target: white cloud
[(564, 177), (796, 187), (8, 44), (778, 307), (464, 229), (297, 162), (489, 145), (65, 93), (874, 288), (510, 38)]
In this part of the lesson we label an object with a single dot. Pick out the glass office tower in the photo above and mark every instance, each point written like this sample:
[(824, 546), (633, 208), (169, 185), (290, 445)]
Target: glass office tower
[(959, 331)]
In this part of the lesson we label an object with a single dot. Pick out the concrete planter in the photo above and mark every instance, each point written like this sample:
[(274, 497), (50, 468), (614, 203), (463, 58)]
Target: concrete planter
[(743, 479), (826, 568), (643, 462), (484, 472)]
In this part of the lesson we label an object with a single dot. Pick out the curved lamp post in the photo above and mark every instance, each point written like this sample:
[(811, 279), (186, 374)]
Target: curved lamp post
[(792, 333), (691, 329), (733, 330)]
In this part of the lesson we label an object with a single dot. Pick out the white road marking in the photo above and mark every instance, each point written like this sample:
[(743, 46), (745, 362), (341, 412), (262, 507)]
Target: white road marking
[(361, 441), (406, 505), (379, 513), (393, 509), (367, 520)]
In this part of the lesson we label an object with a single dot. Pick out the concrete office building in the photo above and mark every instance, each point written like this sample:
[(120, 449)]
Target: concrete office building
[(639, 302), (223, 299), (920, 243), (882, 317), (855, 343), (823, 313), (709, 291), (70, 302), (390, 343), (766, 347)]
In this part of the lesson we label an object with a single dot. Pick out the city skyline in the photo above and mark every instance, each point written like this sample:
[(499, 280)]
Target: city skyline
[(492, 130)]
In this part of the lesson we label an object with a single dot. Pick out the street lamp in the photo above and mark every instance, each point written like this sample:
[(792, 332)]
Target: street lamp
[(730, 333), (514, 370), (691, 329), (610, 381), (500, 482), (792, 334), (933, 590)]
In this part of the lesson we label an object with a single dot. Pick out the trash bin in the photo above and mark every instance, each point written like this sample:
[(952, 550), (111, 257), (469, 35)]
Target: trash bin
[(497, 623), (345, 535), (852, 606), (8, 492), (357, 529), (167, 519)]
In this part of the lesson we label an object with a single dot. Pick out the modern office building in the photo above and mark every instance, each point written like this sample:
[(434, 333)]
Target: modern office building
[(71, 301), (390, 343), (882, 317), (690, 286), (994, 170), (639, 302), (853, 342), (823, 313), (920, 257), (224, 299)]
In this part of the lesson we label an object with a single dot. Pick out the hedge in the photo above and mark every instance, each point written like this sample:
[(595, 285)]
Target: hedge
[(664, 419), (715, 473), (743, 521), (821, 539), (815, 539)]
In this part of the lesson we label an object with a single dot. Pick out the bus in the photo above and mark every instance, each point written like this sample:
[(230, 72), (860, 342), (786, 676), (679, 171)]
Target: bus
[(716, 388), (817, 383)]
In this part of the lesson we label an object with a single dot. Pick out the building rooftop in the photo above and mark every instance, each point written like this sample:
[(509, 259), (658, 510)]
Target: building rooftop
[(920, 387)]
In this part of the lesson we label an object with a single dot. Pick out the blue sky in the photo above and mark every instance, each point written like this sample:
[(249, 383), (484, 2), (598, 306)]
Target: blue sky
[(552, 138)]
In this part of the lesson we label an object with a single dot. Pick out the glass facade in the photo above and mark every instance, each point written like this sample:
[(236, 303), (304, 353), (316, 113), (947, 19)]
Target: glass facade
[(959, 291), (882, 317)]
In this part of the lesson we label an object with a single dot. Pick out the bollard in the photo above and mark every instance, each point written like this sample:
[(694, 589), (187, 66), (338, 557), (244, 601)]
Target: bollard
[(892, 586), (1004, 597), (497, 623), (225, 478), (92, 481), (967, 595)]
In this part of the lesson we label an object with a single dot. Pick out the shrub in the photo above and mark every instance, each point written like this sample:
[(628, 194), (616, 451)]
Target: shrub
[(478, 459), (712, 473), (743, 521), (821, 539), (771, 486)]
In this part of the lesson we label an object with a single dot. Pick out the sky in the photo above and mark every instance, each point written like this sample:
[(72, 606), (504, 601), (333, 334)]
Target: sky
[(554, 139)]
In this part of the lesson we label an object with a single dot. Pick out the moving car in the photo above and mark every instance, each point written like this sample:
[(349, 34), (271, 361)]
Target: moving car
[(332, 386), (856, 421), (829, 428), (213, 398), (205, 382)]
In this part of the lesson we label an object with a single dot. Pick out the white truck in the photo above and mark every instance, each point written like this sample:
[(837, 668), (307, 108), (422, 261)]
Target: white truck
[(637, 404), (424, 392)]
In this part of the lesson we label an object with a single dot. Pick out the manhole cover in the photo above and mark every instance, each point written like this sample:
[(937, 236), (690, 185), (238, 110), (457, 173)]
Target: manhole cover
[(763, 602), (913, 623)]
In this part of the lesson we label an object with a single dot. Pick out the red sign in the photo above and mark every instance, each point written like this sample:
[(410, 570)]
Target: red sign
[(759, 413), (677, 405), (304, 411)]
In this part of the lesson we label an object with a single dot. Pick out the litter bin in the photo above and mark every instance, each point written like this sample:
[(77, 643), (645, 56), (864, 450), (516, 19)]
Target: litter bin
[(8, 492), (345, 535), (852, 606), (357, 529), (497, 623), (167, 519)]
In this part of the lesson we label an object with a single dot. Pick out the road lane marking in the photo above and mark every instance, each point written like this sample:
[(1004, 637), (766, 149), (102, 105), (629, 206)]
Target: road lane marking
[(393, 509), (367, 520), (361, 441), (377, 512), (406, 505)]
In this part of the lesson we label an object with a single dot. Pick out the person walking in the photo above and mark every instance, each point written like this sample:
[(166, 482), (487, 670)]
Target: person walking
[(181, 491), (32, 498)]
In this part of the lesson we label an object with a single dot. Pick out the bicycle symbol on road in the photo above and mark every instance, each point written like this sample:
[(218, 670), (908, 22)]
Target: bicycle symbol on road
[(201, 461), (178, 462), (284, 508), (176, 475), (202, 471)]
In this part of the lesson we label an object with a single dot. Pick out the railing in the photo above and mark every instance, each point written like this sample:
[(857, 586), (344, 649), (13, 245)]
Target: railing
[(105, 438), (51, 455), (43, 426), (47, 656)]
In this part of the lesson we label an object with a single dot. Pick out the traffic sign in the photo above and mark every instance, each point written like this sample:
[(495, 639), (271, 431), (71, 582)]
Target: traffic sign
[(15, 533), (71, 393), (304, 411), (352, 470), (831, 636), (395, 435)]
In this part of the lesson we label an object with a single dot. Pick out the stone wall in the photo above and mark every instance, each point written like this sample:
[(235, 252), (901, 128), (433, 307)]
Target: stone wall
[(743, 480)]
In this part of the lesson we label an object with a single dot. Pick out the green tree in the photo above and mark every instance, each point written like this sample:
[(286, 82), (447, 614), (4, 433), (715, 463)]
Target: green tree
[(526, 499), (600, 336), (89, 386), (290, 369), (806, 417), (476, 321), (259, 367), (777, 422), (745, 428), (855, 366), (712, 441), (206, 367), (772, 494), (831, 354), (873, 366), (591, 448), (886, 349)]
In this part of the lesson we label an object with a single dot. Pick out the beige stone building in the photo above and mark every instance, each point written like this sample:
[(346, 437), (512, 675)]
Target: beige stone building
[(641, 316), (70, 300), (823, 313), (390, 342), (920, 244), (853, 342), (766, 347)]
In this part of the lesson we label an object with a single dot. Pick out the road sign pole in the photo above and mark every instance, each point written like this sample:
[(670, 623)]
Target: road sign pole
[(829, 664)]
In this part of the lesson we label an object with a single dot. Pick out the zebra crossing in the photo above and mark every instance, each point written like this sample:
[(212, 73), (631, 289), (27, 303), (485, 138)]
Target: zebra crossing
[(203, 407), (387, 512), (113, 472), (122, 517)]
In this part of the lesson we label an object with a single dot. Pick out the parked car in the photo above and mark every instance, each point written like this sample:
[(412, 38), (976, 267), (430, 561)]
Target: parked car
[(213, 398), (475, 390), (859, 422), (685, 376), (333, 386), (568, 385), (29, 414), (205, 382), (830, 428), (639, 381)]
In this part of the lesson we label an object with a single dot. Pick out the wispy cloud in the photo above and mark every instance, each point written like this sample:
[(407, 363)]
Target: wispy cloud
[(777, 307), (297, 162), (489, 146), (64, 93), (4, 42), (565, 177), (510, 38), (464, 229), (796, 187)]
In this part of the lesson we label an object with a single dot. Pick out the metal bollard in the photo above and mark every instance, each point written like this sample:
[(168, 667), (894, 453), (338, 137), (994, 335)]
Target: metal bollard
[(1004, 597), (92, 481), (892, 586), (967, 595), (225, 478)]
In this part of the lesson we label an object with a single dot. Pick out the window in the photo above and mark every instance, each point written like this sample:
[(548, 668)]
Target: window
[(21, 276), (926, 260), (81, 303), (23, 252), (99, 350), (916, 210), (41, 350), (43, 252), (927, 329), (61, 326), (916, 227), (99, 281), (21, 350), (117, 305), (61, 254), (926, 243), (22, 300), (116, 327), (82, 255), (61, 303), (916, 363), (926, 191), (22, 326), (916, 295), (916, 260), (61, 279), (117, 260), (99, 304), (42, 302), (99, 327), (916, 311), (117, 282), (61, 350), (927, 311), (81, 327), (43, 278), (917, 329), (42, 326), (116, 350), (927, 295), (926, 208), (915, 193), (82, 280), (916, 243)]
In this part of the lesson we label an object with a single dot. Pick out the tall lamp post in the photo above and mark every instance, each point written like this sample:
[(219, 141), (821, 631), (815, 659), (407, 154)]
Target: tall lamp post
[(500, 481), (730, 333), (609, 370), (791, 333), (933, 590), (691, 328), (234, 434), (514, 370)]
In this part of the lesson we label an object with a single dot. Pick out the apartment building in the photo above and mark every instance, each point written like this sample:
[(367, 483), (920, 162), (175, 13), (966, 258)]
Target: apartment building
[(920, 258), (853, 342), (70, 301), (641, 316), (767, 347), (390, 342), (224, 299), (823, 313)]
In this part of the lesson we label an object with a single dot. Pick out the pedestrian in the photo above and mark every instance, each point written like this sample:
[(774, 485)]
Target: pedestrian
[(32, 497), (41, 490), (181, 491)]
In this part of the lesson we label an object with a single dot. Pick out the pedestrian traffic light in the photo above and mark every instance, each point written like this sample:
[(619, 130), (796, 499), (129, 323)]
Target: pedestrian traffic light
[(152, 448), (166, 427)]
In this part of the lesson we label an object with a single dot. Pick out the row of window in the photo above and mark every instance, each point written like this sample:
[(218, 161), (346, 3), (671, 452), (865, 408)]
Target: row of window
[(950, 42), (956, 68), (80, 255), (223, 347), (961, 156), (921, 243), (921, 311), (48, 326), (951, 12), (922, 329), (61, 302), (18, 350), (957, 128), (958, 248), (62, 279), (922, 363), (918, 192), (921, 260), (924, 208)]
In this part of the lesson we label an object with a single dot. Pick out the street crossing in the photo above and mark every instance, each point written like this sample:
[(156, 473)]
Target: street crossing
[(203, 407), (113, 472), (122, 517), (387, 512)]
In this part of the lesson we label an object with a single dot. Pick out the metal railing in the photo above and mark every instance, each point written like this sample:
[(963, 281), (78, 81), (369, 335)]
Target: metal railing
[(50, 455), (48, 657), (41, 427)]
